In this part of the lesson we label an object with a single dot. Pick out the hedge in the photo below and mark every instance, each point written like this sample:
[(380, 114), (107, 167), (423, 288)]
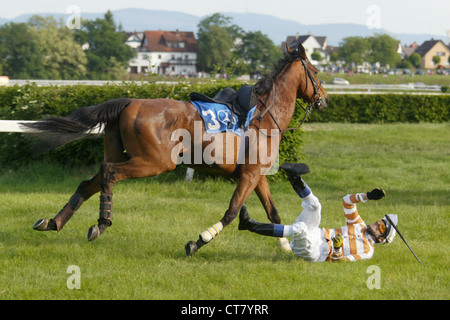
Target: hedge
[(384, 108), (30, 102)]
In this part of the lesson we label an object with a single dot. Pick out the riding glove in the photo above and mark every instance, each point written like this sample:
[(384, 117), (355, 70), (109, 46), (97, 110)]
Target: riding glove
[(376, 194), (337, 241)]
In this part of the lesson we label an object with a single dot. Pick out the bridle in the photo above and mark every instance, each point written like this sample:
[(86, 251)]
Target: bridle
[(314, 102)]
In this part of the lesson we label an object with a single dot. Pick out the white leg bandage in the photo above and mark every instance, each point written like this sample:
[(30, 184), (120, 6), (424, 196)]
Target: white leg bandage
[(211, 232)]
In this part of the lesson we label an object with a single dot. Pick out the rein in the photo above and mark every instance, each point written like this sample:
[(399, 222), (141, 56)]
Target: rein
[(308, 109)]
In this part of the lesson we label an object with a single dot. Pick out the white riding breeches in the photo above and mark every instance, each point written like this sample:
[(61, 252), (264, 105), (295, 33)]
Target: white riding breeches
[(307, 238)]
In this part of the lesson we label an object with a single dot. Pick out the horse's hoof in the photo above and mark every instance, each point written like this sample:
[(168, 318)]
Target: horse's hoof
[(190, 248), (41, 225), (93, 233)]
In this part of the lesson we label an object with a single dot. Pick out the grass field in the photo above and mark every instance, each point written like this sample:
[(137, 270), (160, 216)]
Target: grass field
[(141, 256)]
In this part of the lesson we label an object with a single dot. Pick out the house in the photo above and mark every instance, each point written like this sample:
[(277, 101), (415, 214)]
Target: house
[(310, 43), (430, 49), (409, 50), (166, 53), (134, 39)]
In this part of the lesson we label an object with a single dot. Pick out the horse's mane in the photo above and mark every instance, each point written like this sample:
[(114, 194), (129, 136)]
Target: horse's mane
[(264, 85)]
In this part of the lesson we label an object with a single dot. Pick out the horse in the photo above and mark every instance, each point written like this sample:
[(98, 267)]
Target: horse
[(138, 143)]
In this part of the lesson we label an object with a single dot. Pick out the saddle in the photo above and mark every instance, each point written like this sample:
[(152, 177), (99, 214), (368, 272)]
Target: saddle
[(239, 102)]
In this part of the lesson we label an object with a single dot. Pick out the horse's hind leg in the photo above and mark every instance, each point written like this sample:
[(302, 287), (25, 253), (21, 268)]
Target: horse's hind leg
[(84, 191), (113, 152), (110, 173)]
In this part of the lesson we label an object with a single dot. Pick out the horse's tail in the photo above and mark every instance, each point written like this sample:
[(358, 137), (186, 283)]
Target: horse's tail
[(56, 131)]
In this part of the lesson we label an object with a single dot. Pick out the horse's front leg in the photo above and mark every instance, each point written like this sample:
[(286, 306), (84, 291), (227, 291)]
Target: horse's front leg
[(247, 182), (265, 196)]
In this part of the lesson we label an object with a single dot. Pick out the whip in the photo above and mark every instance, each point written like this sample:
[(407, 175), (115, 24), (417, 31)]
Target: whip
[(396, 229)]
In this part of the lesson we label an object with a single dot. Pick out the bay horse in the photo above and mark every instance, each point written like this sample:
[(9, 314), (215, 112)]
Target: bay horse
[(138, 144)]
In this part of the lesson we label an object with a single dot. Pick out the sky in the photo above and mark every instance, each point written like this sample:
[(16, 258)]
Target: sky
[(397, 16)]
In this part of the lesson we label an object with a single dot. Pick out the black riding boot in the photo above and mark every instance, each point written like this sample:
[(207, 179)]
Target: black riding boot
[(294, 172), (265, 229)]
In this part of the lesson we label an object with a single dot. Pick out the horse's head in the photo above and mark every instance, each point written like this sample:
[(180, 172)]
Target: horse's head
[(310, 88)]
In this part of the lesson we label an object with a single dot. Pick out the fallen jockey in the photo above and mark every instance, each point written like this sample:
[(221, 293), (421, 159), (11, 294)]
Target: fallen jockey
[(352, 242)]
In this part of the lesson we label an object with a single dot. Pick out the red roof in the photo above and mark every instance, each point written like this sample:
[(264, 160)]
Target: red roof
[(170, 41)]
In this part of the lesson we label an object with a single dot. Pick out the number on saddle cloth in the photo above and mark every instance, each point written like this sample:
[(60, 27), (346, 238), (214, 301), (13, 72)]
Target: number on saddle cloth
[(240, 102)]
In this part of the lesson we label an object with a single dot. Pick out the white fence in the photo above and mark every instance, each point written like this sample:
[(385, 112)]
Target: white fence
[(11, 126), (14, 126)]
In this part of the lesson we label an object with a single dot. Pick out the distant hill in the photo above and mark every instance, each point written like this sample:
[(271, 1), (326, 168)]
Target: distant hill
[(275, 28)]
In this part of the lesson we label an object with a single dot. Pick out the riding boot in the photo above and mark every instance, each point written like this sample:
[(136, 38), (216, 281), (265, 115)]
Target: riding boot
[(58, 222), (294, 172), (265, 229)]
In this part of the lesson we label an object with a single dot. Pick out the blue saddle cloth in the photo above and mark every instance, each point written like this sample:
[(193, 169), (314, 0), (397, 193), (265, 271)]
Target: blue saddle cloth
[(217, 117)]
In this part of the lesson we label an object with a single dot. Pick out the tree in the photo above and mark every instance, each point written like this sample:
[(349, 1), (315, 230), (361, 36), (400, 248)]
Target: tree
[(379, 48), (405, 64), (216, 37), (316, 56), (354, 50), (334, 56), (383, 49), (436, 60), (415, 59), (107, 55), (257, 52), (215, 48), (62, 57), (20, 54)]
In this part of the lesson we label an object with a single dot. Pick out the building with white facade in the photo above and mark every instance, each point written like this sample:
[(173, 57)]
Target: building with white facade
[(166, 53), (310, 43)]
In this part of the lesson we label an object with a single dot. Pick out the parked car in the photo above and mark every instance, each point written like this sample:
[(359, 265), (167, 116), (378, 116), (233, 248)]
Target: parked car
[(395, 72), (340, 81), (420, 72)]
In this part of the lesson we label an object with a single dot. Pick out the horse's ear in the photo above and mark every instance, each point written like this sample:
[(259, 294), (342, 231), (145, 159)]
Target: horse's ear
[(287, 48), (302, 51)]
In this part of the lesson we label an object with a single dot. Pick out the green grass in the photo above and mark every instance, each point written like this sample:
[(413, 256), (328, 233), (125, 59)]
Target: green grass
[(141, 256)]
